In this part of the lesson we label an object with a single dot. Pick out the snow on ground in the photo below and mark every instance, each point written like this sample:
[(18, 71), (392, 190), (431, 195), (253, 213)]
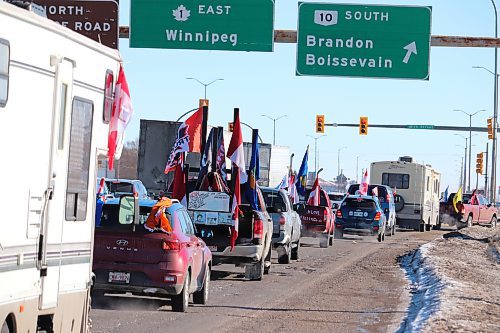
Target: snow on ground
[(455, 283)]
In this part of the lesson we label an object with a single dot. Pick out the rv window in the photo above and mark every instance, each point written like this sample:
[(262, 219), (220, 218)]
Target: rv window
[(108, 97), (79, 160), (397, 180), (4, 71)]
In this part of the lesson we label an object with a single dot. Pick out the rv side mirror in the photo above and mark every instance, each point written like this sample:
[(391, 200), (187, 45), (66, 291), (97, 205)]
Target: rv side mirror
[(129, 210)]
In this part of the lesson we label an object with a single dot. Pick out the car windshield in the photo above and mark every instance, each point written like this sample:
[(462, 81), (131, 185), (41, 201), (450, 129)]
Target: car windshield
[(359, 203), (336, 197), (109, 217), (120, 187), (274, 201)]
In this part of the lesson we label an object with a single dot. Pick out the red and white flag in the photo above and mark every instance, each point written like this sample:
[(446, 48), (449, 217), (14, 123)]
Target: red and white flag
[(120, 117), (188, 139), (235, 151), (363, 187), (292, 190), (179, 188), (314, 195), (235, 209)]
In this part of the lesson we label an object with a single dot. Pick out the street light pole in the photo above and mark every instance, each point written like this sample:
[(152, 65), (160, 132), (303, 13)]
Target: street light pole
[(274, 124), (338, 160), (495, 116), (470, 140), (203, 84), (315, 151)]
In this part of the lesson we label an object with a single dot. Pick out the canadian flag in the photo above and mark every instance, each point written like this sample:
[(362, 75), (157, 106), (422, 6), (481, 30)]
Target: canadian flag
[(363, 187), (235, 150), (314, 195), (235, 209), (120, 117), (179, 188)]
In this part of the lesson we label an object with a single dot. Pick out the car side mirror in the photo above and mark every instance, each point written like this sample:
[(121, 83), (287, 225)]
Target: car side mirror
[(129, 210)]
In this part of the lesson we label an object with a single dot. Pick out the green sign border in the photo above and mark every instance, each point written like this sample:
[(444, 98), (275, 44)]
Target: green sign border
[(267, 47), (297, 73)]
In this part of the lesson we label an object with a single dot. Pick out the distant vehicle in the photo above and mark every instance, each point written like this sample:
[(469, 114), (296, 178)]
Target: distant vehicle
[(360, 214), (56, 94), (417, 186), (119, 187), (474, 209), (318, 221), (336, 198), (386, 199), (255, 229), (130, 259), (286, 224)]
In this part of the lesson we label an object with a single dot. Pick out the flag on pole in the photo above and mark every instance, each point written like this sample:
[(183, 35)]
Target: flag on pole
[(445, 195), (314, 195), (292, 190), (235, 151), (221, 158), (120, 117), (302, 175), (188, 139), (253, 176), (363, 187), (284, 183), (179, 190), (206, 158), (235, 208), (457, 198)]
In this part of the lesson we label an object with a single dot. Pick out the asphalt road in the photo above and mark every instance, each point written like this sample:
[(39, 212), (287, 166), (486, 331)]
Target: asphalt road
[(355, 286)]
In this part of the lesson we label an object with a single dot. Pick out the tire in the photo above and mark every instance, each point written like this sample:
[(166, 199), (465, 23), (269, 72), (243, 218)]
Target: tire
[(421, 227), (5, 328), (255, 271), (267, 261), (469, 221), (380, 237), (493, 222), (338, 234), (285, 258), (330, 239), (428, 227), (295, 251), (394, 228), (201, 296), (180, 302)]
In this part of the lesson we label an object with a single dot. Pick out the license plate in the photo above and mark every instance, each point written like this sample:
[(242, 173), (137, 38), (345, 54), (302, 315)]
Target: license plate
[(212, 248), (358, 214), (119, 277)]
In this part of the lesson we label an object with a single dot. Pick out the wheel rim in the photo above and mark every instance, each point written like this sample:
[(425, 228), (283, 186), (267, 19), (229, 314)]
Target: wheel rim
[(186, 292)]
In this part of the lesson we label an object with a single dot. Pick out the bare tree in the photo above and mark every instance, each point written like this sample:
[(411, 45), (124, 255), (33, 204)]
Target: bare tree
[(127, 165)]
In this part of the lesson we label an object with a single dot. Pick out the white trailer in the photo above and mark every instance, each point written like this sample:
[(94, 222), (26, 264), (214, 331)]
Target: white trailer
[(56, 91), (417, 188)]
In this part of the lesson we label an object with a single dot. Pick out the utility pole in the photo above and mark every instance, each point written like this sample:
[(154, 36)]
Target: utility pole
[(316, 158), (486, 174)]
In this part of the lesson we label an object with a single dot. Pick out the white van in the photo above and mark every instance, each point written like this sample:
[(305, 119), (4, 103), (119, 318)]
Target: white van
[(56, 90), (417, 191)]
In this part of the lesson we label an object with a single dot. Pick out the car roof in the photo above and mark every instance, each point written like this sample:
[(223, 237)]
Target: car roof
[(365, 197), (142, 202)]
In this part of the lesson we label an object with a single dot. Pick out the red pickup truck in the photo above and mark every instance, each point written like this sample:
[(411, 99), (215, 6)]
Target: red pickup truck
[(318, 221), (474, 209)]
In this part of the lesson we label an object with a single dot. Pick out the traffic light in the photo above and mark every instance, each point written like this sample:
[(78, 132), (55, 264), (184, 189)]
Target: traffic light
[(479, 163), (363, 125), (490, 128), (230, 126), (320, 123)]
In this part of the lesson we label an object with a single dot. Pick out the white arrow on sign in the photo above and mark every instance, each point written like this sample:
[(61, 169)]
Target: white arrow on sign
[(410, 48)]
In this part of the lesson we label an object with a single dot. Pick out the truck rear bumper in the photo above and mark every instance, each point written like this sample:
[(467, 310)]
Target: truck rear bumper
[(313, 231), (239, 254), (409, 223), (139, 290)]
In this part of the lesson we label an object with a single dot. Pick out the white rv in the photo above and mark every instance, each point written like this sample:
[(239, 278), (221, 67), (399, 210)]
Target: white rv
[(417, 191), (56, 91)]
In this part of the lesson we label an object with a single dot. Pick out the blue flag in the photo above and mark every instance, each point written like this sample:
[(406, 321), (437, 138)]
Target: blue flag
[(302, 175), (253, 176), (445, 196)]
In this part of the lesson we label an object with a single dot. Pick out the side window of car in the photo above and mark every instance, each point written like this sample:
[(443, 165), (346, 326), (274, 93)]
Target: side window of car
[(262, 203), (185, 222), (189, 223)]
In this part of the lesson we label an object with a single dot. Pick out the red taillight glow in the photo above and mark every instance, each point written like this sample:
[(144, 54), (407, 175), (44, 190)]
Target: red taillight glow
[(258, 228), (338, 213), (375, 228), (325, 215), (377, 217), (282, 219), (388, 197), (170, 245)]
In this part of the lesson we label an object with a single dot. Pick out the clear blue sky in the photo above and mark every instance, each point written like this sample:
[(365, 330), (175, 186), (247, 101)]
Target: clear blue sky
[(265, 83)]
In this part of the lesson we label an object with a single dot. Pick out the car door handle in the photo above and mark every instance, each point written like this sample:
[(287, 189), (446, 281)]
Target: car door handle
[(188, 245)]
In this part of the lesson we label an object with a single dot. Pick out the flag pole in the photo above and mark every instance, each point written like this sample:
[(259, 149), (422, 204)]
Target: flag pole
[(215, 148), (290, 172), (204, 125)]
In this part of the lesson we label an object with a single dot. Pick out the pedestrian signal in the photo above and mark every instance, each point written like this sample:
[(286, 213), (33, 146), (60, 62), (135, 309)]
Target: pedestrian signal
[(320, 123), (363, 125)]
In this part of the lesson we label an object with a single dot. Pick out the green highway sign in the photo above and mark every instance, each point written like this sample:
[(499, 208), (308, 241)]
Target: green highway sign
[(231, 25), (428, 127), (363, 40)]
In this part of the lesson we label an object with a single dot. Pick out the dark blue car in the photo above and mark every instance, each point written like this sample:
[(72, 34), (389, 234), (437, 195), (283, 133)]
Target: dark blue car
[(360, 215)]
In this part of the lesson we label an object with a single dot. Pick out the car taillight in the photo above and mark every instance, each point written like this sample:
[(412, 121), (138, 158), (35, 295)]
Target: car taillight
[(388, 197), (170, 245), (338, 213), (258, 229), (377, 217), (375, 228), (282, 222), (325, 215)]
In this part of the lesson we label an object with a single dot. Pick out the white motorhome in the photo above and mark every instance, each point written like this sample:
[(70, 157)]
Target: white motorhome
[(417, 191), (56, 91)]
